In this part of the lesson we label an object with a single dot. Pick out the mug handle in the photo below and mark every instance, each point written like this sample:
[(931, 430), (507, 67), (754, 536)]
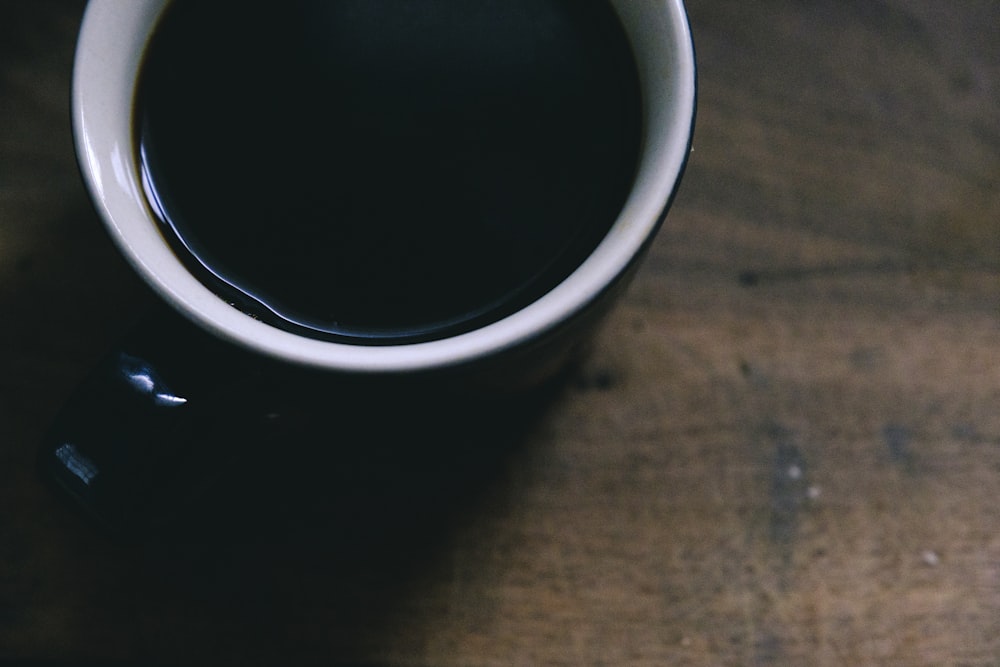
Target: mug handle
[(159, 420)]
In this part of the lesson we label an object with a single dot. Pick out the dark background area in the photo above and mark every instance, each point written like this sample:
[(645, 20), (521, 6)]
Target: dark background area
[(784, 447)]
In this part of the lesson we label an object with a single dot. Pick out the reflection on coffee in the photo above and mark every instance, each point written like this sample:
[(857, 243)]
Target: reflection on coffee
[(385, 171)]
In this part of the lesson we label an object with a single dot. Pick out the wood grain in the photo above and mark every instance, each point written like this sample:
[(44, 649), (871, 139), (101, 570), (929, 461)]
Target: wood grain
[(783, 450)]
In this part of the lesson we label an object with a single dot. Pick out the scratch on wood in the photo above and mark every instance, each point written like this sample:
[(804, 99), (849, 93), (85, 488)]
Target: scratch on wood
[(788, 487), (897, 441)]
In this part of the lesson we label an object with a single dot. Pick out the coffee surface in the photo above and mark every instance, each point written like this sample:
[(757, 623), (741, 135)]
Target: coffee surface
[(386, 171)]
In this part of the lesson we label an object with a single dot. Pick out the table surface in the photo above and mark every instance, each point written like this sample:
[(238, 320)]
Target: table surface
[(784, 447)]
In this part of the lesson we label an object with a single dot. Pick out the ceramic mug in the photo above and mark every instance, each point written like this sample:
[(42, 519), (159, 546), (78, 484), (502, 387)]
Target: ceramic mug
[(515, 350)]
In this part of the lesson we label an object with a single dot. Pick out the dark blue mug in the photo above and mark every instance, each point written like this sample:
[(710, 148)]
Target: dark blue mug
[(170, 382)]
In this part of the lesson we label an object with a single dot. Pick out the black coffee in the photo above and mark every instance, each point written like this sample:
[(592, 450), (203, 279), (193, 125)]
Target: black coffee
[(386, 170)]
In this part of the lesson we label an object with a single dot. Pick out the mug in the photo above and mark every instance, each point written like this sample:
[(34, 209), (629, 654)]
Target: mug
[(516, 349)]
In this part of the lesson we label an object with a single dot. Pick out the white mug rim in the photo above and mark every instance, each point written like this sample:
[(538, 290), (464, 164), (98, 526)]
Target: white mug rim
[(112, 38)]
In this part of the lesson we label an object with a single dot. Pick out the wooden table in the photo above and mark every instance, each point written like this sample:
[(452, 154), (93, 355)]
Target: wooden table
[(783, 450)]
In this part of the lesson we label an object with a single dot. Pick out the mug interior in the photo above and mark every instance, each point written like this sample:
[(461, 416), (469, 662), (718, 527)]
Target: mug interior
[(109, 53)]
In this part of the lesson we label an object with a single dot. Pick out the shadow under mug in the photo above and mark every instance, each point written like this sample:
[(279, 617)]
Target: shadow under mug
[(118, 442)]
